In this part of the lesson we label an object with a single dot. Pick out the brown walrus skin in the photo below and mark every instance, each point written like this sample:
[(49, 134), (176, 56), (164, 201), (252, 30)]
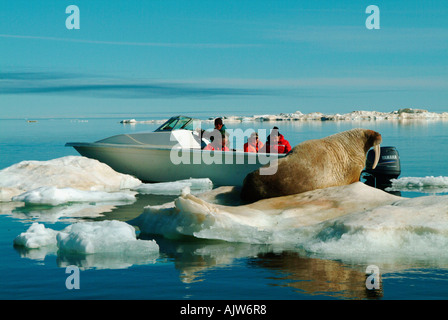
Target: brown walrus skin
[(315, 164)]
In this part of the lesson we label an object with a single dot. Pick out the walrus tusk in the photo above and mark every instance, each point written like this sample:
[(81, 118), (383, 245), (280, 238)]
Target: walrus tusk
[(377, 150)]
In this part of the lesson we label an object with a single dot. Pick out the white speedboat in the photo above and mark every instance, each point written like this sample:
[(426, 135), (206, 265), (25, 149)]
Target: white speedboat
[(173, 152)]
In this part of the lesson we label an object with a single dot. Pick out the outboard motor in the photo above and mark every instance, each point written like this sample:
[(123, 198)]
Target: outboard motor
[(388, 168)]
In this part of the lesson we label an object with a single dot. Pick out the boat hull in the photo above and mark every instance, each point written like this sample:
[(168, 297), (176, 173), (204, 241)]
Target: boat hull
[(163, 165)]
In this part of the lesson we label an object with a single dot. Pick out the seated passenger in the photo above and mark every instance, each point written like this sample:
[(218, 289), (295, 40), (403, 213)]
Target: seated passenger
[(253, 144), (276, 143), (218, 144)]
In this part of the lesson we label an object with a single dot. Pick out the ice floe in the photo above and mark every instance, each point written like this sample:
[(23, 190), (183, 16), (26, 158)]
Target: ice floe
[(73, 172), (36, 236), (128, 121), (108, 244), (176, 187), (133, 121), (258, 222), (400, 114), (79, 179), (332, 221), (56, 196), (108, 236), (416, 228), (429, 184), (77, 187)]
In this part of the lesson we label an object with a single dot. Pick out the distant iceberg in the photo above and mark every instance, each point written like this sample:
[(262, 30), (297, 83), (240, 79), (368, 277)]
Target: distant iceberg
[(400, 114), (128, 121), (133, 121)]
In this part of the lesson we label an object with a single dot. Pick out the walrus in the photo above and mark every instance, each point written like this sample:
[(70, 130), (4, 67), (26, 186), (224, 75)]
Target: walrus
[(332, 161)]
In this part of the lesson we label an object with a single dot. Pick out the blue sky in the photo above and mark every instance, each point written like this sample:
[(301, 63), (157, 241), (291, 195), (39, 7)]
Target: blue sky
[(136, 58)]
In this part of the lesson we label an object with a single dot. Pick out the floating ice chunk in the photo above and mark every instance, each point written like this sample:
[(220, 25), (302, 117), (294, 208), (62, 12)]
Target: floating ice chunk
[(71, 171), (416, 227), (348, 220), (128, 121), (401, 114), (427, 184), (109, 236), (55, 196), (265, 221), (103, 245), (175, 188), (67, 172), (36, 236), (134, 121)]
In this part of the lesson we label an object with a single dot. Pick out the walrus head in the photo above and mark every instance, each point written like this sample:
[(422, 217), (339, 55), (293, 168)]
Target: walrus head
[(373, 139)]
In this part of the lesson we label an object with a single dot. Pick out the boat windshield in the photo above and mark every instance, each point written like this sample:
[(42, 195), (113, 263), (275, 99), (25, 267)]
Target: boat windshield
[(179, 122)]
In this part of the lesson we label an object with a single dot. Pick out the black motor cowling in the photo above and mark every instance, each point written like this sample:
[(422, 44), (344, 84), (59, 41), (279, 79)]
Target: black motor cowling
[(388, 168)]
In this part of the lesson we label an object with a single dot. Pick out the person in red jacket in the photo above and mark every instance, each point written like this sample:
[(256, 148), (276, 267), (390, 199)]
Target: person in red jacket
[(276, 143), (218, 144), (253, 144)]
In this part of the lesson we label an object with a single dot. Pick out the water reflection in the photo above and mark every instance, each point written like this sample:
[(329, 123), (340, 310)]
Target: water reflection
[(121, 260), (317, 276), (51, 214), (74, 212), (290, 269), (192, 257)]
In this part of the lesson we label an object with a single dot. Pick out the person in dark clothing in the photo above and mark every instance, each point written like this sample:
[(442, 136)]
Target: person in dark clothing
[(219, 125)]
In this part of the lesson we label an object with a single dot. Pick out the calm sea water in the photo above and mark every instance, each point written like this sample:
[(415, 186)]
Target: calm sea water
[(199, 269)]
